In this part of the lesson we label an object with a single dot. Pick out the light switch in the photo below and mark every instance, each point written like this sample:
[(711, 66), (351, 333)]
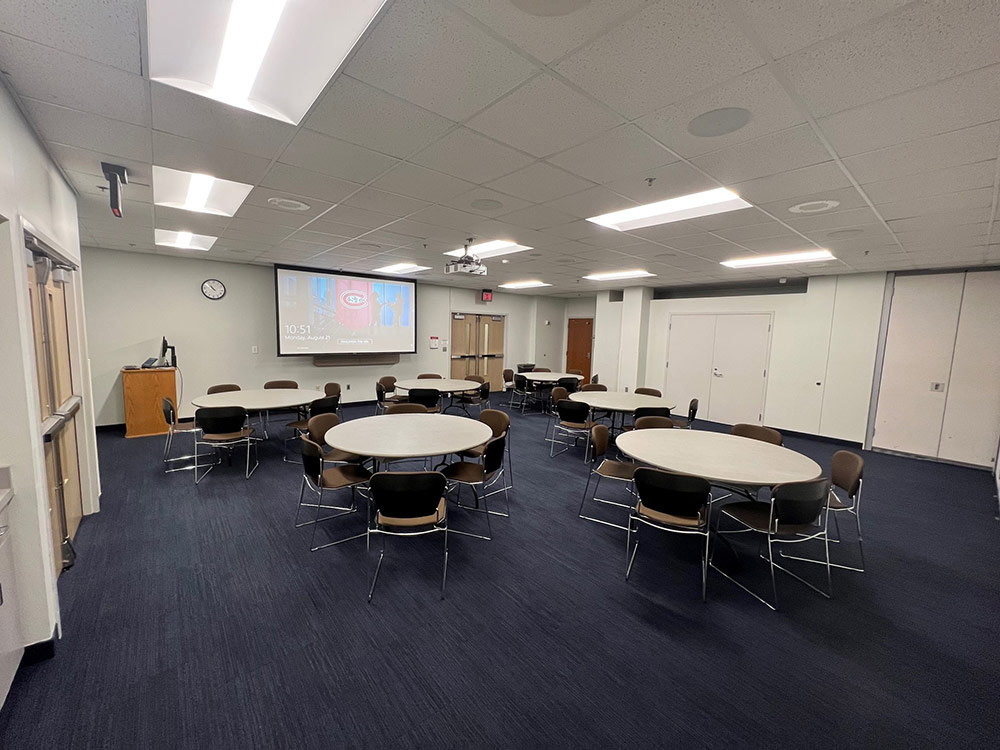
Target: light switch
[(253, 349), (937, 387)]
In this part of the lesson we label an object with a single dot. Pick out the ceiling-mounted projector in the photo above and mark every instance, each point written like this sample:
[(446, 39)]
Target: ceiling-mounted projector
[(468, 263)]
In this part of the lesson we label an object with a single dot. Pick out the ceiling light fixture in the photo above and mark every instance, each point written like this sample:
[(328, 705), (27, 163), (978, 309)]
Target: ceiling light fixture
[(636, 273), (192, 191), (717, 122), (248, 35), (805, 256), (401, 268), (524, 284), (490, 249), (183, 240), (691, 206), (813, 207)]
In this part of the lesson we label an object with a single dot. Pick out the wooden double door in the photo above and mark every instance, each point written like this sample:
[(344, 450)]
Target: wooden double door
[(477, 347)]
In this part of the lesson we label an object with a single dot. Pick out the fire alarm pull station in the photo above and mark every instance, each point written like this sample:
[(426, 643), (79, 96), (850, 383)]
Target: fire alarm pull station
[(435, 342)]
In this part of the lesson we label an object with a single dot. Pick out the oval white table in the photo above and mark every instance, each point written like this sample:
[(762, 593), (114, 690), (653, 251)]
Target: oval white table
[(446, 386), (549, 377), (718, 457), (397, 436), (619, 402), (260, 400)]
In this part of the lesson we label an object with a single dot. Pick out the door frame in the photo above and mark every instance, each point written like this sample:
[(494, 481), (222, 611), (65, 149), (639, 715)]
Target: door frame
[(590, 362)]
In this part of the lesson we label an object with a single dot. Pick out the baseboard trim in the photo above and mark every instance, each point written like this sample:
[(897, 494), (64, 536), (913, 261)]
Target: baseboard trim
[(39, 652)]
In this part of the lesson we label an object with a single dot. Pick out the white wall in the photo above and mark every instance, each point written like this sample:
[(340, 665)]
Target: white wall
[(135, 298), (550, 316), (827, 335), (31, 187)]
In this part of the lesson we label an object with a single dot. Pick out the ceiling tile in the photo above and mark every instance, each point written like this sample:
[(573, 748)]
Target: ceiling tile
[(289, 219), (544, 116), (446, 217), (670, 181), (430, 55), (93, 184), (471, 156), (614, 154), (380, 201), (787, 243), (321, 153), (922, 43), (361, 114), (833, 219), (199, 118), (772, 154), (537, 217), (797, 182), (939, 182), (194, 156), (965, 199), (294, 180), (353, 216), (259, 196), (938, 220), (540, 182), (72, 127), (591, 202), (846, 198), (424, 184), (696, 44), (753, 231), (506, 202)]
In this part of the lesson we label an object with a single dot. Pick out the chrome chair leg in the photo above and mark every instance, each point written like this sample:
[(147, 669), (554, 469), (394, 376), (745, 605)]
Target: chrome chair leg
[(444, 575), (378, 567)]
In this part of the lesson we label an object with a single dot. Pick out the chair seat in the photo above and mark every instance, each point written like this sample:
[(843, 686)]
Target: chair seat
[(339, 477), (756, 515), (224, 437), (299, 424), (428, 520), (668, 519), (467, 472), (616, 470), (187, 425), (837, 504), (335, 454), (576, 425), (397, 399), (476, 452)]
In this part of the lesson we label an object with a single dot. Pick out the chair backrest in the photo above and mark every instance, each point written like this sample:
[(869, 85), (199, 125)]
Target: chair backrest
[(593, 387), (675, 494), (846, 471), (572, 411), (648, 392), (692, 409), (428, 376), (520, 382), (508, 375), (493, 455), (475, 378), (594, 378), (542, 369), (798, 503), (756, 432), (388, 382), (379, 392), (223, 388), (407, 408), (169, 411), (496, 420), (572, 385), (312, 459), (598, 441), (575, 372), (653, 423), (428, 397), (332, 389), (219, 420), (407, 494), (319, 425), (558, 394), (324, 406), (651, 411), (280, 384)]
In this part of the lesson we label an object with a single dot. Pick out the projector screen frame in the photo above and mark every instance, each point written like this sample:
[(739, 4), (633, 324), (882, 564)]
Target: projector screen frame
[(337, 272)]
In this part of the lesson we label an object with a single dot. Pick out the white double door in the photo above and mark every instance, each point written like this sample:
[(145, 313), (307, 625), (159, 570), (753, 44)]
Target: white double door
[(722, 360)]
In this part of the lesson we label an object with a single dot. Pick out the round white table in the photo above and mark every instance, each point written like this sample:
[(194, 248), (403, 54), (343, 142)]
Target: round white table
[(444, 385), (618, 402), (718, 457), (260, 400), (549, 377), (395, 436)]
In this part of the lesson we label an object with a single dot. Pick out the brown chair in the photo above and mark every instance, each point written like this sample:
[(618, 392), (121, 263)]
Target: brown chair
[(498, 421), (676, 503), (542, 369), (320, 479), (408, 503), (223, 427), (316, 429), (648, 411), (593, 387), (798, 512), (479, 397), (654, 423), (222, 388), (482, 475), (174, 426), (508, 379), (408, 408), (604, 468), (574, 372), (475, 378), (429, 376), (274, 384), (382, 397), (686, 422), (558, 394), (332, 389), (648, 392), (327, 405), (388, 382), (757, 432)]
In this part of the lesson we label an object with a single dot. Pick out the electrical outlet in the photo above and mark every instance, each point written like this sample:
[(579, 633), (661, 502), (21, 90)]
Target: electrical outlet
[(253, 350), (348, 386)]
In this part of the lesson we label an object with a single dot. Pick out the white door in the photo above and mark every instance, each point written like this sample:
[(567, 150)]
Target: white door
[(971, 425), (920, 341), (739, 368), (689, 360)]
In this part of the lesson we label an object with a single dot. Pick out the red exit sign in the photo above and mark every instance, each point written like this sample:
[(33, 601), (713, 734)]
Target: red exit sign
[(487, 295)]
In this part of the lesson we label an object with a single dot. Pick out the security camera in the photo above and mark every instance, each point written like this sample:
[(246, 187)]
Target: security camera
[(116, 175)]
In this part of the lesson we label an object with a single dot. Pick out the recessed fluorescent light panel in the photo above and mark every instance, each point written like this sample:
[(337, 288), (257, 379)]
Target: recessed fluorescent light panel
[(490, 249), (691, 206), (183, 240), (401, 268), (524, 285), (636, 273), (272, 57), (203, 193), (753, 261)]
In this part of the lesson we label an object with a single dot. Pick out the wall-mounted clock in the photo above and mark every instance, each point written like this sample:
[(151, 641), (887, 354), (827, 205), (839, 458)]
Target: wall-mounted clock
[(213, 289)]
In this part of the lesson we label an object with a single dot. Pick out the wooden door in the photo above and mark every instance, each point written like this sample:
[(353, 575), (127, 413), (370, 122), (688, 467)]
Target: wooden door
[(489, 359), (579, 345), (464, 331), (739, 368)]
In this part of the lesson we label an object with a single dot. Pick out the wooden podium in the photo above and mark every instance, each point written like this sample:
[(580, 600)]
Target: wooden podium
[(144, 391)]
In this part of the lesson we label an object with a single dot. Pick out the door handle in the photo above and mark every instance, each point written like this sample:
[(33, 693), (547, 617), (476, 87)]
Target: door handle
[(717, 374)]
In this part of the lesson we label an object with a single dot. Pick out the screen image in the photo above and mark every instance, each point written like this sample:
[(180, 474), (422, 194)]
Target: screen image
[(331, 313)]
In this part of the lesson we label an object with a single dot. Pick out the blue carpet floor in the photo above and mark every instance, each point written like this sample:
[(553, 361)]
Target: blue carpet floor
[(198, 618)]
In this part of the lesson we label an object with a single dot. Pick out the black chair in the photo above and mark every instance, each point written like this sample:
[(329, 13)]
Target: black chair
[(519, 391), (686, 423), (318, 478), (408, 503), (327, 405), (676, 503), (572, 420), (427, 397), (223, 427), (480, 398), (174, 426), (798, 512), (648, 411), (572, 385), (482, 476)]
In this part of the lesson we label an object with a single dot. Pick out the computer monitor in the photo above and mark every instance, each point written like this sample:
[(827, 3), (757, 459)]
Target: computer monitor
[(164, 348)]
